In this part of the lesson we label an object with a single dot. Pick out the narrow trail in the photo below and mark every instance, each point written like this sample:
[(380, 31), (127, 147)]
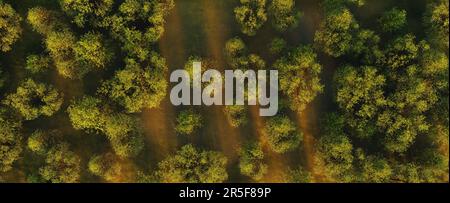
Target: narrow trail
[(216, 35), (277, 163), (308, 122), (157, 122)]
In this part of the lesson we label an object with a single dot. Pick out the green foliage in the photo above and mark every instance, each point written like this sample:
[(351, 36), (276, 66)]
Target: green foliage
[(61, 165), (126, 136), (106, 166), (400, 52), (338, 4), (10, 29), (87, 113), (365, 47), (393, 20), (190, 165), (282, 134), (374, 168), (283, 14), (236, 115), (434, 63), (299, 77), (93, 50), (33, 99), (45, 21), (150, 14), (251, 162), (187, 122), (123, 130), (61, 47), (38, 63), (237, 56), (436, 21), (86, 10), (335, 34), (41, 142), (360, 93), (405, 118), (277, 45), (297, 175), (334, 148), (10, 140), (251, 15), (137, 87)]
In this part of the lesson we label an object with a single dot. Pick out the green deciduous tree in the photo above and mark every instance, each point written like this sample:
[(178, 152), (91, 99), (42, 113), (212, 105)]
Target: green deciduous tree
[(282, 134), (251, 15), (33, 99), (297, 175), (10, 29), (61, 47), (10, 140), (87, 113), (191, 165), (237, 56), (42, 141), (38, 63), (393, 20), (86, 10), (400, 52), (436, 20), (373, 168), (93, 50), (187, 122), (123, 130), (106, 166), (334, 148), (277, 45), (237, 115), (45, 21), (299, 76), (335, 34), (283, 14), (137, 41), (360, 94), (137, 87), (61, 165), (251, 161)]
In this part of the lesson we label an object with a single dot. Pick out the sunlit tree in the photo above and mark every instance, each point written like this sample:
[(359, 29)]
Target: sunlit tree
[(10, 29), (191, 165)]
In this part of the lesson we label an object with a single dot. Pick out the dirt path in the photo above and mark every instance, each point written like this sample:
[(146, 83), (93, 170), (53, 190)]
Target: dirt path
[(308, 122), (216, 36), (158, 122), (277, 163)]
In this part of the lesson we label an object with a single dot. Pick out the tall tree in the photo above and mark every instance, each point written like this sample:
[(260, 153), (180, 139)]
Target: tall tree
[(299, 76), (10, 29), (336, 33), (187, 122), (283, 14), (251, 161), (86, 10), (251, 15), (61, 165), (282, 134), (33, 99), (192, 165), (137, 87), (10, 140)]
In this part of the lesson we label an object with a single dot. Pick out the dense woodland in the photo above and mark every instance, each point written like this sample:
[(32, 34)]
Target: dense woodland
[(363, 85)]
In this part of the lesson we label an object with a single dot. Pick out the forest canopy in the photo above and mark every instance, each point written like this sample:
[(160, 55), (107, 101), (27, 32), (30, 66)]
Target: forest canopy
[(363, 91)]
